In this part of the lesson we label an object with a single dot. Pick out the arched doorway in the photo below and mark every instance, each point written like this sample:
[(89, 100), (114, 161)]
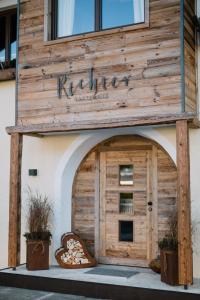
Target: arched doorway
[(124, 193)]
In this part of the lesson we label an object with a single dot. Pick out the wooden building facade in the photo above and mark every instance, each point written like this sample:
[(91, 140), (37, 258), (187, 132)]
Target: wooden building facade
[(142, 74)]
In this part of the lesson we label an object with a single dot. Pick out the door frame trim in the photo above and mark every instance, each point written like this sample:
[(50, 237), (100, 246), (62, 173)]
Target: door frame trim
[(152, 230)]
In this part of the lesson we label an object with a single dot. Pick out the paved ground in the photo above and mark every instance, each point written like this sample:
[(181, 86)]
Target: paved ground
[(7, 293)]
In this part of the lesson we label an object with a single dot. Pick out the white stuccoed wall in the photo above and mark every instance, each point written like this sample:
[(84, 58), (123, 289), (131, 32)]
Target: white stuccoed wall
[(7, 3), (44, 155), (7, 117)]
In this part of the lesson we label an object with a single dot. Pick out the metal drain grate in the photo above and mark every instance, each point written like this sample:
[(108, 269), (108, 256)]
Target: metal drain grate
[(112, 272)]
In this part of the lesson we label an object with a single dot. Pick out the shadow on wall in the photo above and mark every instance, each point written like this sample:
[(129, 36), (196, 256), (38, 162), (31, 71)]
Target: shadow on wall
[(196, 236)]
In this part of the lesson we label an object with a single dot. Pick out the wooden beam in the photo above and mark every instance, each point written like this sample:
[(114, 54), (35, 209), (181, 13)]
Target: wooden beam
[(15, 200), (184, 204), (154, 214), (77, 126), (35, 135), (195, 124), (97, 205)]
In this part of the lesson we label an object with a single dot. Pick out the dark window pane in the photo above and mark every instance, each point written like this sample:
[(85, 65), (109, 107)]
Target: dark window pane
[(126, 203), (126, 175), (126, 231), (13, 37), (122, 12), (75, 16), (2, 39)]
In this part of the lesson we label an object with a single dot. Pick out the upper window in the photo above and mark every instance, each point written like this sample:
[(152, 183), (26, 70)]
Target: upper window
[(117, 13), (72, 17), (8, 25)]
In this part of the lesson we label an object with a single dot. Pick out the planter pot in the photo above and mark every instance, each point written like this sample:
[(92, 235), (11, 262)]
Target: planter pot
[(169, 266), (37, 255)]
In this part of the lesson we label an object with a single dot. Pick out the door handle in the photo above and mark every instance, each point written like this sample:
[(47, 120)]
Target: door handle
[(150, 203)]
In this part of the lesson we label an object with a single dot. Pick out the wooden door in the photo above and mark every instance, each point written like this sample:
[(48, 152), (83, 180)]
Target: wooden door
[(125, 207)]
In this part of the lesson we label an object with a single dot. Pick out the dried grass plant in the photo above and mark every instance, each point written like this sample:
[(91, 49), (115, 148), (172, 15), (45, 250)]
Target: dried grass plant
[(39, 212), (170, 241), (173, 225)]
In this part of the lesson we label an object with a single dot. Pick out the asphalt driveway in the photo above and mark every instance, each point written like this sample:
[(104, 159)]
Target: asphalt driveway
[(8, 293)]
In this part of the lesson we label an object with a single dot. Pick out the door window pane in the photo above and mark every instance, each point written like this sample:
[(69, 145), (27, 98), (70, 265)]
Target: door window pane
[(2, 39), (126, 231), (126, 203), (75, 16), (126, 175), (122, 12)]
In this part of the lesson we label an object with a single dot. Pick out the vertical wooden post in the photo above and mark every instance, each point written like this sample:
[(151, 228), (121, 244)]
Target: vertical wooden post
[(184, 205), (97, 205), (154, 179), (15, 200)]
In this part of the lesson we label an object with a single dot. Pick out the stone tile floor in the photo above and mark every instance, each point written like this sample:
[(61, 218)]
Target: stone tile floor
[(145, 278), (7, 293)]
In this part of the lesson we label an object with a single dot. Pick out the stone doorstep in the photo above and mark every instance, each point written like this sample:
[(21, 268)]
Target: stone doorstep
[(145, 283)]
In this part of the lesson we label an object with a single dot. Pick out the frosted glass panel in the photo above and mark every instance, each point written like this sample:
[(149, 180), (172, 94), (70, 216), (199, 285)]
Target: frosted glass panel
[(126, 175), (126, 203)]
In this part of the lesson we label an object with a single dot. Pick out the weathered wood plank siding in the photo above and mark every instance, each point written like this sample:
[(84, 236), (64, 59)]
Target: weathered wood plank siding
[(167, 191), (150, 56), (83, 203), (190, 57)]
